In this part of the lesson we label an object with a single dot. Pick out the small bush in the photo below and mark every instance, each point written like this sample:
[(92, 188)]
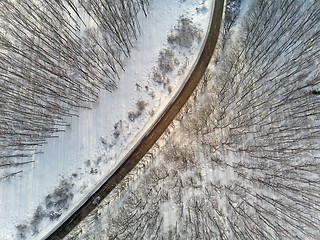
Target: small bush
[(53, 215), (186, 34), (167, 61), (117, 129), (133, 115), (202, 9), (118, 125), (52, 208), (157, 76), (88, 163), (61, 196), (232, 12), (141, 104), (22, 231), (37, 218), (116, 133), (93, 171)]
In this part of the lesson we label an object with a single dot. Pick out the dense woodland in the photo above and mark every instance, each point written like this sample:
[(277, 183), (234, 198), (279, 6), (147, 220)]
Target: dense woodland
[(55, 58), (243, 158)]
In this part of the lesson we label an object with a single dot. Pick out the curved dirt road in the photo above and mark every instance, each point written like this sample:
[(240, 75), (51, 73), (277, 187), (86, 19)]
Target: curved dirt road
[(148, 141)]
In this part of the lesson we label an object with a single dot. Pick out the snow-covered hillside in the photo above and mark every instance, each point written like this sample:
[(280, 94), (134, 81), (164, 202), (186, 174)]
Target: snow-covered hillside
[(242, 160), (34, 197)]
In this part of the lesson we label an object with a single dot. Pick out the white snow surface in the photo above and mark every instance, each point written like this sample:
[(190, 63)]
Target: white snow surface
[(140, 204), (79, 149)]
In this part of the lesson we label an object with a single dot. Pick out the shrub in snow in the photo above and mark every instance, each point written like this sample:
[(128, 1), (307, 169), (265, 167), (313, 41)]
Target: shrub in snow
[(116, 133), (52, 209), (202, 9), (117, 129), (167, 61), (22, 231), (53, 215), (159, 77), (185, 34), (93, 171), (231, 13), (37, 218), (133, 115), (61, 197), (141, 105)]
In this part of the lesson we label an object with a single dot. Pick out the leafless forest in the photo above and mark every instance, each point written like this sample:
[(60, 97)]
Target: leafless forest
[(243, 159), (55, 57)]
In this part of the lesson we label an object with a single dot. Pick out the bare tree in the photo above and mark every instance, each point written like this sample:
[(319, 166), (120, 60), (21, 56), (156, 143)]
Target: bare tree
[(52, 64), (247, 163)]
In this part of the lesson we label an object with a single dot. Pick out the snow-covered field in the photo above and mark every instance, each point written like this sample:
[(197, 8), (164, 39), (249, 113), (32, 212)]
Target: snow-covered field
[(70, 166), (242, 160)]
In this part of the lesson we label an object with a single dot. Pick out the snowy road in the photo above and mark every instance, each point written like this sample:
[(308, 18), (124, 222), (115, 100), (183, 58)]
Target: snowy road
[(153, 135)]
